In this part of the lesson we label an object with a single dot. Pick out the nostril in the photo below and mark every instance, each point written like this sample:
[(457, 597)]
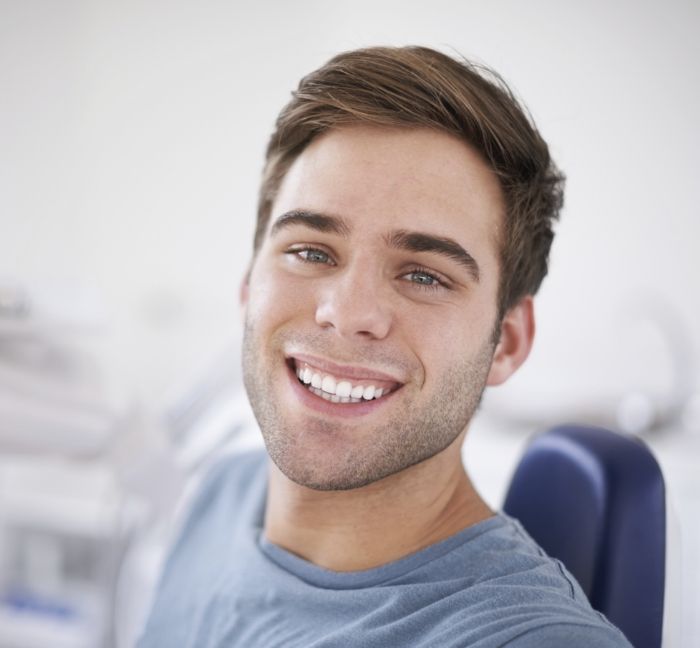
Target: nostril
[(355, 306)]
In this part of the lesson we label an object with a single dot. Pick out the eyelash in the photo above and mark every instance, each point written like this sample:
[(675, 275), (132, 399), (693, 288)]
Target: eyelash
[(298, 252), (437, 281)]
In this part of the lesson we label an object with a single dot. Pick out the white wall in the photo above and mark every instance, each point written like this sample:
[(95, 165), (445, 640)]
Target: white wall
[(132, 135)]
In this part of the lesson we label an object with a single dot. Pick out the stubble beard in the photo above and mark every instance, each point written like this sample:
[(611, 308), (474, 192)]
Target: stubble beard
[(418, 430)]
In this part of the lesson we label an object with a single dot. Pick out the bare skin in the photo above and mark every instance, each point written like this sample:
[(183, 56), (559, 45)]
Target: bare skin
[(341, 530), (349, 491)]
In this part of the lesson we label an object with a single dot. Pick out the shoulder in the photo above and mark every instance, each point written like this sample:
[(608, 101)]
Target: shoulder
[(225, 501), (509, 556), (230, 473), (221, 514), (571, 635), (524, 598), (226, 488)]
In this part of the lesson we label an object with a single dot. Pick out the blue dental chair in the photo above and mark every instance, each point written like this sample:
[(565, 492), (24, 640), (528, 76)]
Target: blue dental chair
[(595, 500)]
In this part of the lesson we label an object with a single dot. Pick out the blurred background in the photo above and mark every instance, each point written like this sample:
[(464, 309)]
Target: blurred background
[(131, 142)]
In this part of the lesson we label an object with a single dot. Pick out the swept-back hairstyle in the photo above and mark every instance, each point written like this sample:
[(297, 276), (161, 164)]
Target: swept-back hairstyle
[(420, 87)]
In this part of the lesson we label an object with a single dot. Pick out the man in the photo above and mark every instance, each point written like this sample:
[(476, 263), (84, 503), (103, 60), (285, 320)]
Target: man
[(404, 226)]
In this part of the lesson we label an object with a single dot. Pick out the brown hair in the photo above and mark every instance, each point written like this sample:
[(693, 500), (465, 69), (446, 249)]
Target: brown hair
[(418, 86)]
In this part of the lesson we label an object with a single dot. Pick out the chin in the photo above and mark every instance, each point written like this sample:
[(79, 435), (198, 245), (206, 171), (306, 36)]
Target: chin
[(336, 470)]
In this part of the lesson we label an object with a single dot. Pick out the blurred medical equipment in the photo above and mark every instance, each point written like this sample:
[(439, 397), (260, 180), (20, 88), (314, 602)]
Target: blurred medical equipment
[(88, 482), (597, 500), (64, 522), (203, 421)]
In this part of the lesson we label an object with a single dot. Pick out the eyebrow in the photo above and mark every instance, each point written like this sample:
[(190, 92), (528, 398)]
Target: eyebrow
[(312, 220), (399, 239), (421, 242)]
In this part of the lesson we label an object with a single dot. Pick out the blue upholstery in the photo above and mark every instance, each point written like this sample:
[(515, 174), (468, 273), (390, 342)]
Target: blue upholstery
[(595, 500)]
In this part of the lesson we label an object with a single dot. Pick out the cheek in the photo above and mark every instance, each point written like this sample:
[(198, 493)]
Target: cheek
[(443, 338), (274, 299), (429, 336)]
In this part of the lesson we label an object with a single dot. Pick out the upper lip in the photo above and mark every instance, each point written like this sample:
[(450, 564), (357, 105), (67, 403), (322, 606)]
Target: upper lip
[(344, 371)]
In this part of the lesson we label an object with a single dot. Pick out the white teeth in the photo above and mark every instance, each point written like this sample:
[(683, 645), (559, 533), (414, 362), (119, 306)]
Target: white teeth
[(337, 391), (328, 384), (343, 389)]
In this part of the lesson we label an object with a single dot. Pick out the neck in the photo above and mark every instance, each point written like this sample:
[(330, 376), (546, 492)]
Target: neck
[(376, 524)]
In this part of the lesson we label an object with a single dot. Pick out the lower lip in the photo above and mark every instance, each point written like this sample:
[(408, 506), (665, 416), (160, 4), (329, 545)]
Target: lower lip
[(346, 410)]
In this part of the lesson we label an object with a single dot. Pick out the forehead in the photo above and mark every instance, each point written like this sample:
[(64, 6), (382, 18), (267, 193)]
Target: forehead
[(379, 179)]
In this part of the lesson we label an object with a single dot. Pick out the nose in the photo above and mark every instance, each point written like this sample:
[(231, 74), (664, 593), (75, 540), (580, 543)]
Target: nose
[(355, 303)]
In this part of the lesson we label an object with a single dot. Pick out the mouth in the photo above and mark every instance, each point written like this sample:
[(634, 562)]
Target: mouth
[(347, 386)]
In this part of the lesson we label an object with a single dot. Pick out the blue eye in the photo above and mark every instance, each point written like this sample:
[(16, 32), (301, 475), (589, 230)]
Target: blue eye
[(311, 255), (423, 278), (314, 256)]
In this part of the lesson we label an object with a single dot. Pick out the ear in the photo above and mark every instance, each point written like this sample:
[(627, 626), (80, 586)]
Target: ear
[(515, 341)]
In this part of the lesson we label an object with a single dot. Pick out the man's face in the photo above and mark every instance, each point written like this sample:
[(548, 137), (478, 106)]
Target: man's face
[(378, 275)]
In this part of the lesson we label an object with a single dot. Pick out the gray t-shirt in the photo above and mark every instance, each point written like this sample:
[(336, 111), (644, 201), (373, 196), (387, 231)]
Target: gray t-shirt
[(225, 585)]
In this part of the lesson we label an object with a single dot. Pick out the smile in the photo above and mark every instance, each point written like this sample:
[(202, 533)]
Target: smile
[(341, 389)]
